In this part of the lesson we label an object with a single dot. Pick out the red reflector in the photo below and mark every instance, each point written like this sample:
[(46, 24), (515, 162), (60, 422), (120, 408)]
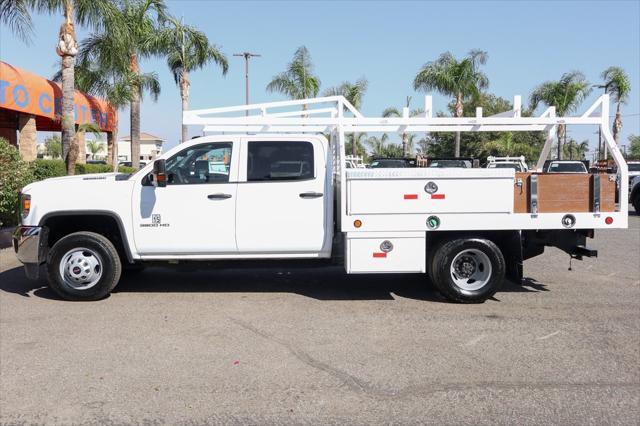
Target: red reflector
[(379, 254), (608, 220), (410, 196), (437, 196)]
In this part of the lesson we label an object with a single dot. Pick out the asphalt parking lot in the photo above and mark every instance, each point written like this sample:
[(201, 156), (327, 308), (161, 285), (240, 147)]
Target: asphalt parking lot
[(316, 346)]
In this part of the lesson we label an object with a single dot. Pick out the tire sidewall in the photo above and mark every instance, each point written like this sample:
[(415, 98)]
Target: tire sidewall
[(442, 266), (99, 245)]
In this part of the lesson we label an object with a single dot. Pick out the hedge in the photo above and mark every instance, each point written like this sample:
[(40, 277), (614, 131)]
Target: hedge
[(16, 173)]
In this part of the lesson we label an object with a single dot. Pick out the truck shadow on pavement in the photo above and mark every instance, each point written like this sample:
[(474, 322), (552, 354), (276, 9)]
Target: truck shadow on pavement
[(317, 283)]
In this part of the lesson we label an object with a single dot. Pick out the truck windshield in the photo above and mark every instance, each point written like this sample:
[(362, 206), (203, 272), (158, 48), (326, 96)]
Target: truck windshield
[(388, 164), (634, 167), (567, 168), (505, 166)]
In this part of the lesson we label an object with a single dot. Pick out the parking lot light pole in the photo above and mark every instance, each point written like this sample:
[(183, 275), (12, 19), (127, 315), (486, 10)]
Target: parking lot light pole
[(247, 56)]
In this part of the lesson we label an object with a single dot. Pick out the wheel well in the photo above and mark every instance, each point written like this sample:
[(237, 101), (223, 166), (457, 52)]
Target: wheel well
[(509, 243), (60, 225)]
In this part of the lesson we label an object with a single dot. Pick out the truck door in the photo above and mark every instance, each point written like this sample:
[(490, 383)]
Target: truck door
[(195, 212), (281, 197)]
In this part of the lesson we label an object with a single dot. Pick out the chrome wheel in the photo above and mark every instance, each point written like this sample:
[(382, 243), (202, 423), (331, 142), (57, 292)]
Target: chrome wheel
[(81, 268), (471, 269)]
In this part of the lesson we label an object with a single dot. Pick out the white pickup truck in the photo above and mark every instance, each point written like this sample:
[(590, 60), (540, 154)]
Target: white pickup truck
[(277, 195)]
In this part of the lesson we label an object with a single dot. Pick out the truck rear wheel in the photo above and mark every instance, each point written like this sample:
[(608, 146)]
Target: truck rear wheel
[(83, 266), (636, 202), (468, 270)]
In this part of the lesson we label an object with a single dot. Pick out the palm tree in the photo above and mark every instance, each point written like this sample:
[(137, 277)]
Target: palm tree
[(187, 50), (566, 95), (94, 147), (15, 15), (380, 147), (116, 86), (616, 82), (406, 139), (131, 33), (451, 77), (298, 81), (353, 92), (90, 12)]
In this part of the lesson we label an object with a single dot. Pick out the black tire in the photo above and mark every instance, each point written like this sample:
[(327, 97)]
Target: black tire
[(110, 266), (636, 202), (441, 270)]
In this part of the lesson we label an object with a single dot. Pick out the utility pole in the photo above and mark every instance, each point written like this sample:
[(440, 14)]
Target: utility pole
[(247, 56)]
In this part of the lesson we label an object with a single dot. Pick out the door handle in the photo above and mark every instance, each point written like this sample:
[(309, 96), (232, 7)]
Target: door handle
[(311, 195), (218, 196)]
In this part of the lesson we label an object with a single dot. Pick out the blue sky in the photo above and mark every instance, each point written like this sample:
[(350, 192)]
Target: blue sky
[(386, 41)]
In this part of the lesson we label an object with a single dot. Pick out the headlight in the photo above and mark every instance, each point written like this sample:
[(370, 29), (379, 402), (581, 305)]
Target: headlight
[(25, 205)]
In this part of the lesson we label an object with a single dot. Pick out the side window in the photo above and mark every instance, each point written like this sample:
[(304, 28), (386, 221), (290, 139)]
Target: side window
[(269, 161), (206, 163)]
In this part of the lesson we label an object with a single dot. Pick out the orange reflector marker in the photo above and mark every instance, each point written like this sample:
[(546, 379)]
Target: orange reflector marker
[(357, 223), (26, 204), (608, 220)]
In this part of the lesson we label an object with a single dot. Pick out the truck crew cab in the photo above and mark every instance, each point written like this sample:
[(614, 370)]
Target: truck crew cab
[(285, 193)]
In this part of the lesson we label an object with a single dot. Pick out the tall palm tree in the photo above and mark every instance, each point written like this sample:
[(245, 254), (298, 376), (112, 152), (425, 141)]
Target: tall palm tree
[(117, 86), (188, 49), (130, 34), (85, 12), (565, 94), (353, 92), (395, 112), (298, 81), (452, 77), (617, 83)]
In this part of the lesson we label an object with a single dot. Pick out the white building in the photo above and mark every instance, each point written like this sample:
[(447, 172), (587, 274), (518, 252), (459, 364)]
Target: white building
[(150, 147)]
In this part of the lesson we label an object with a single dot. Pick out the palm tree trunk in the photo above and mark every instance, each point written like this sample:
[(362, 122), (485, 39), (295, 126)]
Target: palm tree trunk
[(184, 94), (459, 112), (405, 148), (67, 48), (617, 124), (135, 117), (560, 133), (68, 119)]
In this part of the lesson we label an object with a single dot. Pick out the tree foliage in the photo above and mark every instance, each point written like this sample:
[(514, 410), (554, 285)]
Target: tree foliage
[(298, 80), (634, 147), (53, 147)]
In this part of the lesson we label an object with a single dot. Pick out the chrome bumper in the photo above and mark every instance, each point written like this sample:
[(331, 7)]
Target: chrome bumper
[(29, 243)]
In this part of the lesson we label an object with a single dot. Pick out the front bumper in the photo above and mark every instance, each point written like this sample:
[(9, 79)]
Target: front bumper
[(29, 243)]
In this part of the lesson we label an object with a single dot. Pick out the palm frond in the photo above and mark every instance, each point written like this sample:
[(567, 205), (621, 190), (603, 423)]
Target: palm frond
[(15, 14)]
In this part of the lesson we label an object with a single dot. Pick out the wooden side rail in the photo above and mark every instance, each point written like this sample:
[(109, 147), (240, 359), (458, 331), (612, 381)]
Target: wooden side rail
[(563, 192)]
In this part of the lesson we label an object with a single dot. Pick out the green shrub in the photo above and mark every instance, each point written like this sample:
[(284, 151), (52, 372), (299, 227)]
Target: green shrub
[(125, 169), (14, 174), (44, 169), (82, 169)]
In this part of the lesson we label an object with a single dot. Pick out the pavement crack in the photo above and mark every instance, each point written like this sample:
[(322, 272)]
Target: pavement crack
[(349, 380)]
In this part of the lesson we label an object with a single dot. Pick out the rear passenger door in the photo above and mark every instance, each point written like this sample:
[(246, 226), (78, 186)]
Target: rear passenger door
[(281, 196)]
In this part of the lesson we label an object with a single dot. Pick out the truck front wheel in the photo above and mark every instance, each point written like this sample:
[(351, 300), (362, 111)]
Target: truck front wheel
[(468, 270), (83, 266)]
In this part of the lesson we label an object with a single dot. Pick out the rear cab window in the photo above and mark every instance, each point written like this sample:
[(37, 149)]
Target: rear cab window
[(280, 161)]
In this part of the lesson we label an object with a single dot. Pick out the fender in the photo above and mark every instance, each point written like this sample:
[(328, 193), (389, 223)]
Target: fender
[(113, 215)]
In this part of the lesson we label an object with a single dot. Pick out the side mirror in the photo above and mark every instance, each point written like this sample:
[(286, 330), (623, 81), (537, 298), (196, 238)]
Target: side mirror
[(159, 174)]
